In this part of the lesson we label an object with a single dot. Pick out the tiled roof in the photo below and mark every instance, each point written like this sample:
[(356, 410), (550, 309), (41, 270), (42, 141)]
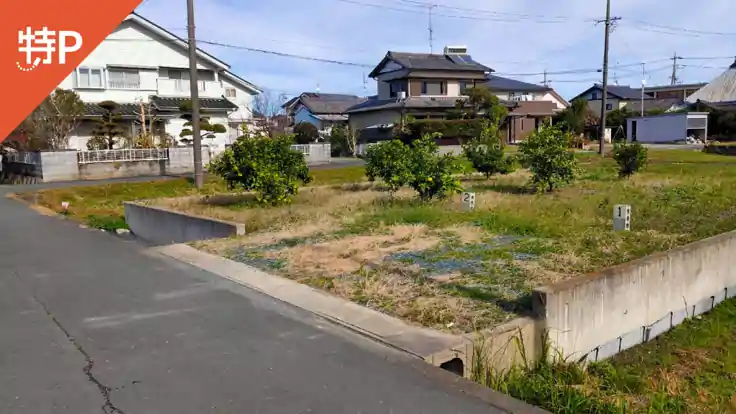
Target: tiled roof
[(329, 103), (427, 61), (652, 104), (173, 104), (617, 91), (497, 83), (412, 103), (126, 110)]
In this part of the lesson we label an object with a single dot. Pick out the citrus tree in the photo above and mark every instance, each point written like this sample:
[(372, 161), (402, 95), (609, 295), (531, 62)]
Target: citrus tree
[(547, 155), (267, 166)]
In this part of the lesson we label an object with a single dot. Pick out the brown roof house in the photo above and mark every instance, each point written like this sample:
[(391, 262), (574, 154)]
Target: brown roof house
[(427, 86)]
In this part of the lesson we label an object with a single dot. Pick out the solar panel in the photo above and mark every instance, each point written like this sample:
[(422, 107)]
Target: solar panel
[(457, 59)]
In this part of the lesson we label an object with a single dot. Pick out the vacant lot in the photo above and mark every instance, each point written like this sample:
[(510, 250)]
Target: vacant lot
[(446, 268), (689, 370)]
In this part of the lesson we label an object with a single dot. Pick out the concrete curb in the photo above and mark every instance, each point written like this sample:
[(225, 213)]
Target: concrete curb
[(45, 211), (423, 343)]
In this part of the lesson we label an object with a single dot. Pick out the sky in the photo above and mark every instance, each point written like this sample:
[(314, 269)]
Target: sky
[(519, 39)]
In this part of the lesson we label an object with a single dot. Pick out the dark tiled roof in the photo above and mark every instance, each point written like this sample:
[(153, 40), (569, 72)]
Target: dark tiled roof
[(173, 104), (329, 103), (426, 61), (652, 104), (617, 91), (126, 110), (497, 83), (411, 103)]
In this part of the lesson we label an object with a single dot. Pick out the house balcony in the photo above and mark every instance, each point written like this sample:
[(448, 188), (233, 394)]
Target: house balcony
[(180, 88)]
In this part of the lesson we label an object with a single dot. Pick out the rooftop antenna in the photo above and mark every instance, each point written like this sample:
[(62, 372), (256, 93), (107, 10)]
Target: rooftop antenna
[(365, 84), (431, 30)]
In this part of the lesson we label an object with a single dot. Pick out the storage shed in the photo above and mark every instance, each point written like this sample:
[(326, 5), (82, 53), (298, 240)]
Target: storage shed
[(668, 127)]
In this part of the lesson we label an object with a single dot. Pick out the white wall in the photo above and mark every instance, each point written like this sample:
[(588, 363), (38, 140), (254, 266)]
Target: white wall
[(548, 96), (132, 46), (243, 98), (666, 128)]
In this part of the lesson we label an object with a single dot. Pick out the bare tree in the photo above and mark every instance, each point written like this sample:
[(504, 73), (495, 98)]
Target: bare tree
[(266, 109), (50, 124)]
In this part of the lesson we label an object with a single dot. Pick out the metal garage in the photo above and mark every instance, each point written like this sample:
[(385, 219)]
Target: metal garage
[(668, 128)]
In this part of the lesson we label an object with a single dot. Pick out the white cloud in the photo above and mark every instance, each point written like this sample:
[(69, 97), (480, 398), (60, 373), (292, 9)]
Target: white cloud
[(511, 39)]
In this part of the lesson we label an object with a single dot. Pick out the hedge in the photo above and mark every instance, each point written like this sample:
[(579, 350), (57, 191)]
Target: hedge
[(456, 128)]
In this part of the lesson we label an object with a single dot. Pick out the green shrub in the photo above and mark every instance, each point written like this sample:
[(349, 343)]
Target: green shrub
[(266, 166), (486, 154), (305, 133), (458, 128), (547, 155), (418, 166), (388, 161), (432, 175), (631, 158)]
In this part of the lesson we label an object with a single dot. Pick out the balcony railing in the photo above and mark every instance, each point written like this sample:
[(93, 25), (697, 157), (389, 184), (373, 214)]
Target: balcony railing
[(124, 84), (181, 87)]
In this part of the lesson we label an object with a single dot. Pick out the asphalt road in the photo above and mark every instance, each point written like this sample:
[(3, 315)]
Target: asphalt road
[(94, 323)]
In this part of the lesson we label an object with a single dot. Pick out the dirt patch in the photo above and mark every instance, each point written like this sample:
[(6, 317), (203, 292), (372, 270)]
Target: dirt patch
[(347, 255)]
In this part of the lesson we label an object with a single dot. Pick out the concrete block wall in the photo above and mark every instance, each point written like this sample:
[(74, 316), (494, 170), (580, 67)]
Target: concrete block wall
[(604, 313), (63, 166), (319, 154), (59, 166)]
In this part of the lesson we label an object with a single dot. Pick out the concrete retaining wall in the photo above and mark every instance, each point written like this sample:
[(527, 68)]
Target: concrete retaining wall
[(163, 226), (181, 161), (607, 312)]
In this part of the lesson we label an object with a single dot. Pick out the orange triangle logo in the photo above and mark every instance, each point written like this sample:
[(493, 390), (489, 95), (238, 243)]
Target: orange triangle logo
[(43, 41)]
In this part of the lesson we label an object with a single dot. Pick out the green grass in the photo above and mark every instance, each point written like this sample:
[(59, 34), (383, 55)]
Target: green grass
[(688, 370), (101, 206)]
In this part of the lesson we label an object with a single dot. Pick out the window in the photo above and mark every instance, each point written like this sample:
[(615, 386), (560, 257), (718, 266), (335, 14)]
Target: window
[(89, 78), (465, 85), (123, 78), (609, 107), (230, 92), (396, 87), (175, 74), (433, 88), (594, 96)]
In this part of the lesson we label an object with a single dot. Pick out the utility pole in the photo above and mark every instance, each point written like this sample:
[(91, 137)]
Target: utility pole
[(545, 78), (194, 93), (604, 100), (643, 82), (431, 30), (673, 77)]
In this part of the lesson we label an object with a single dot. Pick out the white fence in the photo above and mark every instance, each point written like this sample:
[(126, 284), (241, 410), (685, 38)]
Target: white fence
[(122, 155)]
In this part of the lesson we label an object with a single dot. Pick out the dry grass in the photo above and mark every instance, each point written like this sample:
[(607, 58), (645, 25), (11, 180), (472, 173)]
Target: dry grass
[(347, 255)]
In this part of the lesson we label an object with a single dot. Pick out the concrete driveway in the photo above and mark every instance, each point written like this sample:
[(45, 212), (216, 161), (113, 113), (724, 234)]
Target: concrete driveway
[(94, 323)]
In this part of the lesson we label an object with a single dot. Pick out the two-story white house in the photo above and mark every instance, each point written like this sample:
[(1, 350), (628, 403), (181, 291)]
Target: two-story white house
[(141, 62)]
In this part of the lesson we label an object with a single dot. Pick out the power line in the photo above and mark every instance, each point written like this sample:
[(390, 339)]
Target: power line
[(416, 8), (660, 28)]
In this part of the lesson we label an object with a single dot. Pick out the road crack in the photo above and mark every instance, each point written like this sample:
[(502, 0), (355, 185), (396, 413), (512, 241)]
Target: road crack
[(108, 407)]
